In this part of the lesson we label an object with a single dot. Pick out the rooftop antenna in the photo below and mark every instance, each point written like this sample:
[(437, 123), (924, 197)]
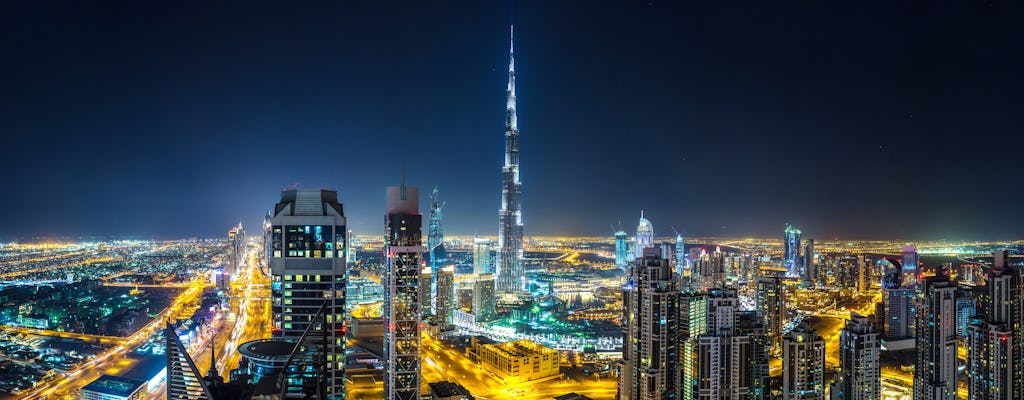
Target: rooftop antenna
[(403, 181)]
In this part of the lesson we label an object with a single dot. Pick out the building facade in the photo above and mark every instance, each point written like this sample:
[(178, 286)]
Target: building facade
[(308, 272), (651, 337), (859, 365), (402, 303), (483, 259), (803, 365), (935, 368), (791, 249), (994, 337), (771, 306), (519, 361)]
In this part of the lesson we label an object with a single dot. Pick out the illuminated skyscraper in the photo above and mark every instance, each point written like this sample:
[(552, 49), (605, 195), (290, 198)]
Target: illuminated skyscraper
[(308, 271), (810, 273), (910, 266), (791, 249), (402, 313), (435, 245), (644, 236), (862, 274), (803, 365), (621, 250), (771, 306), (680, 254), (935, 368), (994, 338), (651, 333), (236, 248), (859, 366), (693, 322), (267, 238), (483, 260), (509, 269)]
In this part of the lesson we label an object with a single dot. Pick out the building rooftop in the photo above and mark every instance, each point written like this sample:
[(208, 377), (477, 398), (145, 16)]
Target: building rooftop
[(114, 385), (448, 389)]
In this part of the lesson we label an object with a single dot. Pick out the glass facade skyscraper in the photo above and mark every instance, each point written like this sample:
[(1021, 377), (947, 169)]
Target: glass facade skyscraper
[(791, 250)]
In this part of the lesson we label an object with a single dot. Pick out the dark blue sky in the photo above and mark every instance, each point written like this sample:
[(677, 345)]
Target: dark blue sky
[(850, 119)]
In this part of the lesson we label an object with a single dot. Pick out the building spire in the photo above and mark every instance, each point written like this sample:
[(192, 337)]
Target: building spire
[(510, 122)]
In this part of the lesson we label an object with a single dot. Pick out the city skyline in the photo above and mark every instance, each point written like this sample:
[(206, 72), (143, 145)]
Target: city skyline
[(148, 133)]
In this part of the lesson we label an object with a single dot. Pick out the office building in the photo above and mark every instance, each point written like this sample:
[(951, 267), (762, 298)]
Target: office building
[(935, 367), (803, 365), (519, 361), (483, 259), (308, 274), (109, 387), (445, 303), (771, 306), (511, 277), (791, 250), (236, 248), (483, 298), (402, 305), (859, 376), (650, 366), (426, 274), (810, 273), (995, 344), (862, 275)]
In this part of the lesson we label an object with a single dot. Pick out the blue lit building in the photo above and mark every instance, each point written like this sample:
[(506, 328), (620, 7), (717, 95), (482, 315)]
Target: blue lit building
[(644, 236), (621, 249), (791, 250)]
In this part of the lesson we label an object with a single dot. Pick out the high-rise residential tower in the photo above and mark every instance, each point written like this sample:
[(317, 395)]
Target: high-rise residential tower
[(771, 306), (483, 297), (935, 368), (859, 369), (402, 312), (308, 271), (803, 365), (511, 277), (731, 354), (651, 332), (435, 247), (791, 249), (994, 338)]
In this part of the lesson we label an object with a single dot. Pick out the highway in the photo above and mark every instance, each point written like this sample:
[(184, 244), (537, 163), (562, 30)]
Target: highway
[(65, 335), (115, 358)]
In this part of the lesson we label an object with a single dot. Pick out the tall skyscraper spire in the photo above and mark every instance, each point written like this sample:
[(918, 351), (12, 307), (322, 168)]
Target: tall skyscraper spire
[(509, 268)]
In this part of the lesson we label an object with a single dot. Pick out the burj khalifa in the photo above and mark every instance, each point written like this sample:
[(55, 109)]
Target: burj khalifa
[(511, 277)]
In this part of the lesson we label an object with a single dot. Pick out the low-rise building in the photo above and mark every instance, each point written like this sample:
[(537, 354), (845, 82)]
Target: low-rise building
[(518, 361), (108, 387)]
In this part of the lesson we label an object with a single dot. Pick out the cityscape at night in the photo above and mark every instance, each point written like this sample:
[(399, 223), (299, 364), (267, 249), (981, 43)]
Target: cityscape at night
[(270, 201)]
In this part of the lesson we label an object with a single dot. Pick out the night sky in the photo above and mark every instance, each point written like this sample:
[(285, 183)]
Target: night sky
[(850, 119)]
